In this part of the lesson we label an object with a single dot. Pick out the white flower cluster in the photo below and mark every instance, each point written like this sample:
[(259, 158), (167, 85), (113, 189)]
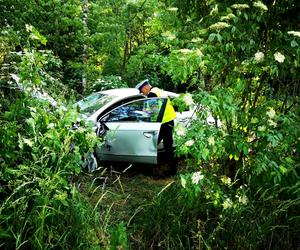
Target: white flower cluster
[(226, 180), (180, 130), (51, 125), (185, 51), (279, 57), (259, 56), (196, 177), (242, 199), (260, 5), (189, 143), (271, 113), (188, 99), (240, 6), (227, 17), (227, 203), (173, 9), (272, 123), (169, 35), (211, 141), (196, 40), (219, 26), (294, 33)]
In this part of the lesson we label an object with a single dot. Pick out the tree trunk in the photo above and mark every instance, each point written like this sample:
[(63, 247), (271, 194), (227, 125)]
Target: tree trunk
[(126, 53), (85, 47)]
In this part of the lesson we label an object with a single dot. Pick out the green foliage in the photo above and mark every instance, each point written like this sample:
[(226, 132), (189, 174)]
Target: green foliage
[(41, 155), (59, 22), (245, 165), (144, 64), (107, 82), (242, 174), (119, 237), (182, 64)]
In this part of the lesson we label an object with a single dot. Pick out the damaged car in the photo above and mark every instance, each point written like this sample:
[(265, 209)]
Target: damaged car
[(129, 123)]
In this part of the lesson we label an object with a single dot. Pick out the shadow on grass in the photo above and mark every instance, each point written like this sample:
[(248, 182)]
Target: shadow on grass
[(157, 171)]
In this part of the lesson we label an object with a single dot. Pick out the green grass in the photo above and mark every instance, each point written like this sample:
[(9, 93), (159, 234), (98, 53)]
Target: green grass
[(124, 193), (139, 211)]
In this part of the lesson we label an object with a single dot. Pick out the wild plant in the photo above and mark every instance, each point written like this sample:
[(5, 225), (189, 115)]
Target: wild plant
[(41, 156)]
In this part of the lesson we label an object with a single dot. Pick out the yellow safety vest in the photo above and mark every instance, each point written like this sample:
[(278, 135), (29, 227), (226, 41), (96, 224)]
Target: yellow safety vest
[(169, 113)]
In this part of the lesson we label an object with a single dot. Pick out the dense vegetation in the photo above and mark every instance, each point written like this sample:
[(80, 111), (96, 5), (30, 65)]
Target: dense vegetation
[(240, 186)]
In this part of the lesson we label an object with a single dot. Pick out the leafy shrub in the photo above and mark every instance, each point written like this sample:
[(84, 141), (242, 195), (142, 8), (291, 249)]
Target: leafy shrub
[(240, 187), (107, 82), (41, 155)]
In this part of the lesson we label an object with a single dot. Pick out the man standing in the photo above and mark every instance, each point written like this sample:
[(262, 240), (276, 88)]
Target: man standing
[(166, 130)]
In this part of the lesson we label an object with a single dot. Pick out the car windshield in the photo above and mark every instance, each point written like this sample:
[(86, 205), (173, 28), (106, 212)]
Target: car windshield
[(90, 104)]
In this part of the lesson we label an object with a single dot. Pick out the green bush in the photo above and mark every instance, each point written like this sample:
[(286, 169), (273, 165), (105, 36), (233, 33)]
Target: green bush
[(40, 158), (107, 82), (240, 186)]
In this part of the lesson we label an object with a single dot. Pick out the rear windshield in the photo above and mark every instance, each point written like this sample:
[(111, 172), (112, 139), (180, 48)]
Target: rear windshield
[(90, 104)]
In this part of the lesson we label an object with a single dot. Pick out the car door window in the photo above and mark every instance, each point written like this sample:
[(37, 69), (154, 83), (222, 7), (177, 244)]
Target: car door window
[(120, 103), (145, 110)]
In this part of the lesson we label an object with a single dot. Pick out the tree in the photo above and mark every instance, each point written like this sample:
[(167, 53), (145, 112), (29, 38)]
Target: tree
[(85, 46)]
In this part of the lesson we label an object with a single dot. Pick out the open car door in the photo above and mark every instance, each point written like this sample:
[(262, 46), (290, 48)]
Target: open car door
[(132, 131)]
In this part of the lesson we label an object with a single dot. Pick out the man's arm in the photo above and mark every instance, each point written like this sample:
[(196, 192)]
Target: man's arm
[(151, 94)]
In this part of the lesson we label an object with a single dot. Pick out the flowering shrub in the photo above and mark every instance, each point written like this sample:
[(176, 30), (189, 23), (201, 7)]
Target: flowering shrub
[(241, 175)]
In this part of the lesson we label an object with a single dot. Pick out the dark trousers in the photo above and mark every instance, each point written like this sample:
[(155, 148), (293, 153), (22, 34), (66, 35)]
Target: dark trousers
[(166, 133)]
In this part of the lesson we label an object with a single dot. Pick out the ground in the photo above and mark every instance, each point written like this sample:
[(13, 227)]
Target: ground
[(124, 188)]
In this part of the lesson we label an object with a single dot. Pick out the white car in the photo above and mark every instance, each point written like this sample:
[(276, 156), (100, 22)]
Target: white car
[(129, 122)]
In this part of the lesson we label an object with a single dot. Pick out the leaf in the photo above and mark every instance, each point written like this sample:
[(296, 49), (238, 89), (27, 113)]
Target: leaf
[(205, 153), (240, 86), (35, 35), (289, 160), (254, 120), (77, 169), (294, 44), (282, 169), (30, 121), (212, 36), (236, 158), (183, 181), (245, 150)]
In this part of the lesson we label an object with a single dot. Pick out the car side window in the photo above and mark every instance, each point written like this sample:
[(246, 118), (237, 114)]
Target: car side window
[(127, 100), (145, 110)]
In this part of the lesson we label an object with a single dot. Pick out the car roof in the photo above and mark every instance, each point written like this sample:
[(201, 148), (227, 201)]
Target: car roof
[(171, 94), (121, 92)]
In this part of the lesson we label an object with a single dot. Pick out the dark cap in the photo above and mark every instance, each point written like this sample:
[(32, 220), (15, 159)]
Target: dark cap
[(143, 83)]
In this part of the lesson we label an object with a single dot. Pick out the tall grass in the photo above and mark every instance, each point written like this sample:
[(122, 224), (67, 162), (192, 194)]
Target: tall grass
[(172, 222)]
